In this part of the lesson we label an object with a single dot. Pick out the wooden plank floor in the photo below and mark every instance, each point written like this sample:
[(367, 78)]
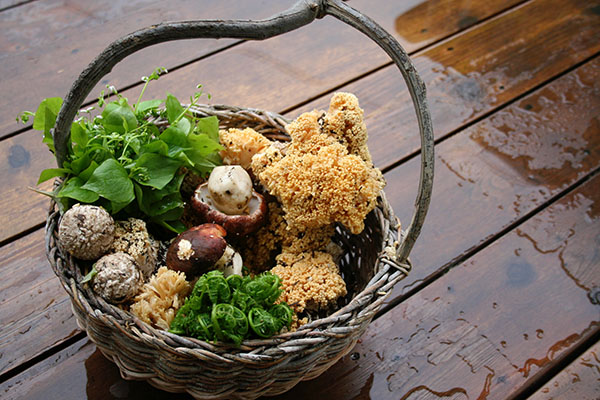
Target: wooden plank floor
[(504, 298)]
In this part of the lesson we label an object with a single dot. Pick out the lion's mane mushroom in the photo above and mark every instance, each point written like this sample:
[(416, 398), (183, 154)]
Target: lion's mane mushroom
[(228, 199), (86, 231), (118, 278), (197, 249)]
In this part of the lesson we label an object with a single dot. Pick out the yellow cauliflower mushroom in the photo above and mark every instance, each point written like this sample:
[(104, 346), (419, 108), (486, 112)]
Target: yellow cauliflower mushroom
[(318, 182), (344, 121), (240, 145), (310, 281), (161, 297)]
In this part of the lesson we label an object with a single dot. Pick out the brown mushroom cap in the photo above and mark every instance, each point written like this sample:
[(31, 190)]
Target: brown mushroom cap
[(238, 225), (197, 249)]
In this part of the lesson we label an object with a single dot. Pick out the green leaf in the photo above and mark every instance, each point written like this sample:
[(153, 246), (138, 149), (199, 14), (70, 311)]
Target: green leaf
[(159, 169), (150, 199), (118, 118), (52, 173), (45, 116), (148, 105), (139, 196), (157, 146), (87, 173), (110, 180), (174, 226), (79, 135), (80, 163), (90, 275), (177, 134), (210, 126), (166, 205), (73, 189), (203, 144), (203, 165), (115, 206), (174, 108)]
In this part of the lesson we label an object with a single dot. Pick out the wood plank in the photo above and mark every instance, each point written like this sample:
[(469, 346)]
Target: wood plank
[(376, 98), (497, 171), (78, 372), (49, 66), (35, 310), (24, 265), (6, 4), (492, 324), (23, 158), (470, 75), (70, 363), (579, 380), (490, 319), (48, 43)]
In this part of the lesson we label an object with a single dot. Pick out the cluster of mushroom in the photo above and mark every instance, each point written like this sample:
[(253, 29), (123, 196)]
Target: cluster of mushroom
[(323, 176), (228, 205), (271, 206), (125, 253)]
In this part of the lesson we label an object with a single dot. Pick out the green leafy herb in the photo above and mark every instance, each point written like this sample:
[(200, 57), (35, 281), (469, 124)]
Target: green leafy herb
[(232, 309), (125, 161), (90, 275)]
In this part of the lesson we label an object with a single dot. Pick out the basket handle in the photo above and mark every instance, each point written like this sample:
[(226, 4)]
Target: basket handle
[(300, 14)]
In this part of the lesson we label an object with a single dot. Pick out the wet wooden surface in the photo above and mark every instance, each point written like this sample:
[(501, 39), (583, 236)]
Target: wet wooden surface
[(504, 298)]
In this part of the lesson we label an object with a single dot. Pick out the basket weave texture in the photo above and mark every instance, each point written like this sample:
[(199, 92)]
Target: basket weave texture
[(258, 367)]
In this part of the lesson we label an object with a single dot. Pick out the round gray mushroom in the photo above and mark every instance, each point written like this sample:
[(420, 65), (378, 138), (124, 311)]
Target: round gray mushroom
[(118, 278), (86, 232)]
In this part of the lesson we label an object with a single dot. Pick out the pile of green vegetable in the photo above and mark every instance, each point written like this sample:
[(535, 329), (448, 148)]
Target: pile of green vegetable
[(231, 309), (127, 162)]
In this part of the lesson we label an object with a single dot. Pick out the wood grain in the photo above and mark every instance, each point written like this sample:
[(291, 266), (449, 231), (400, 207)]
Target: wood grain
[(35, 310), (470, 75), (25, 157), (489, 172), (38, 51), (492, 324), (496, 321), (272, 60), (6, 4), (78, 372), (579, 380), (499, 170), (48, 43)]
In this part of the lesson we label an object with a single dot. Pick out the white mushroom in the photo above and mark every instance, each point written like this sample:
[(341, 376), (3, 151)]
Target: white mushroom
[(230, 189), (228, 199), (86, 231), (230, 262), (118, 278)]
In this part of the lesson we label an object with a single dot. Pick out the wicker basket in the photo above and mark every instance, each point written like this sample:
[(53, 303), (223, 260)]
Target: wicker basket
[(373, 262)]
